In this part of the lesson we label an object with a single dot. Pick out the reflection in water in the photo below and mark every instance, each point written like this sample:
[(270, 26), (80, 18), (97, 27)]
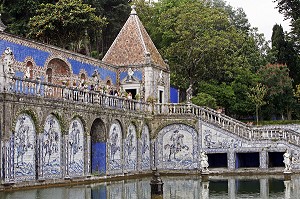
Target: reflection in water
[(273, 187)]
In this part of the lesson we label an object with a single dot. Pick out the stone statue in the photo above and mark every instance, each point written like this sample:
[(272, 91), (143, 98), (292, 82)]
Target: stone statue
[(287, 161), (204, 162), (189, 93), (130, 74), (7, 71), (161, 78), (8, 58)]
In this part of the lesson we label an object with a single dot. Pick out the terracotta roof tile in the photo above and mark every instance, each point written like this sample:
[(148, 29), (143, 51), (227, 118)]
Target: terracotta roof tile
[(132, 46)]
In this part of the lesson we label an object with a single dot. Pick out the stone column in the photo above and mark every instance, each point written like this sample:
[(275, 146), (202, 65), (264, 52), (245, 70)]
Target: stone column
[(153, 155), (88, 156), (231, 160), (263, 162), (66, 157)]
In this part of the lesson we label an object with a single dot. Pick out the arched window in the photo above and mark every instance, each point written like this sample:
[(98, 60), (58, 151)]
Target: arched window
[(49, 75), (29, 68)]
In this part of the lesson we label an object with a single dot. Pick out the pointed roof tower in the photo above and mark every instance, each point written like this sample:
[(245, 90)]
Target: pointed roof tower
[(133, 46)]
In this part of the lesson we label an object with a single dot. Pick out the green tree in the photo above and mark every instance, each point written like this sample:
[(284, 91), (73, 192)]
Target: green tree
[(64, 22), (280, 90), (290, 9), (257, 95), (16, 14), (204, 99), (116, 13)]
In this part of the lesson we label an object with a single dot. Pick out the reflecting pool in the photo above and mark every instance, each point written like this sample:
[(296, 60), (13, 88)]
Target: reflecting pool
[(188, 187)]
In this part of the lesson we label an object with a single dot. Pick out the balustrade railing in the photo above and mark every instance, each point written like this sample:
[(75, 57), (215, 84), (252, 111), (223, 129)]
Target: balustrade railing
[(59, 92), (227, 123)]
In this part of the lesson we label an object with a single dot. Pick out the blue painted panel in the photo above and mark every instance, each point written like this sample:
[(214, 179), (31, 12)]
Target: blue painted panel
[(99, 192), (21, 52), (77, 66), (174, 95), (98, 158), (137, 74)]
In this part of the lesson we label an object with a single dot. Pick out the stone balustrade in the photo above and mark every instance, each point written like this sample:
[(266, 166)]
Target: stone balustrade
[(60, 92), (229, 124)]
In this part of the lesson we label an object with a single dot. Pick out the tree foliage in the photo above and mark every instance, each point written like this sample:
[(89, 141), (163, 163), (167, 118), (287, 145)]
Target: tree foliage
[(282, 52), (280, 90), (291, 10), (64, 22), (257, 96), (204, 99)]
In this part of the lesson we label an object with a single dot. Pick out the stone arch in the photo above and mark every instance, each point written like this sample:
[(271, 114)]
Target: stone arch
[(130, 149), (50, 149), (144, 149), (98, 147), (177, 147), (24, 156), (75, 144), (60, 70), (114, 148)]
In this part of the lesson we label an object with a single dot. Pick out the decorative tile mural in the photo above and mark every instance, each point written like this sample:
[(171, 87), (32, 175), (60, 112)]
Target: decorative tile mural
[(145, 149), (50, 149), (114, 148), (24, 149), (214, 138), (177, 147), (75, 155), (130, 149)]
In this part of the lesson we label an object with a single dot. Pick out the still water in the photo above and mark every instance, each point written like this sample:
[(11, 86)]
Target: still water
[(273, 187)]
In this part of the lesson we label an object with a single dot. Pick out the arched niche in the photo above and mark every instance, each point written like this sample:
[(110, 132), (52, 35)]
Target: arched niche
[(144, 148), (177, 147), (98, 147), (50, 149), (24, 149), (130, 149), (75, 145), (114, 148), (60, 71)]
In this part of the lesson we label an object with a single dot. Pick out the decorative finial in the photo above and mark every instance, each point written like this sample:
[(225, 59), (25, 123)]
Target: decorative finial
[(133, 11), (2, 26)]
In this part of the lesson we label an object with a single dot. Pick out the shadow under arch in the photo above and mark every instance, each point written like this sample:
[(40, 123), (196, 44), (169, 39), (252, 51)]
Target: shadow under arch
[(98, 147)]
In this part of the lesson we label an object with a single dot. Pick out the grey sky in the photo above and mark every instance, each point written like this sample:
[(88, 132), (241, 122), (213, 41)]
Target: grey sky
[(261, 14)]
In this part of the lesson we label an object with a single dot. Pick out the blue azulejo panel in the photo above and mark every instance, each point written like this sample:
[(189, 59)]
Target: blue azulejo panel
[(20, 52), (50, 149), (76, 149), (115, 149), (145, 149), (104, 73), (137, 74), (177, 147), (130, 150), (24, 149), (98, 158)]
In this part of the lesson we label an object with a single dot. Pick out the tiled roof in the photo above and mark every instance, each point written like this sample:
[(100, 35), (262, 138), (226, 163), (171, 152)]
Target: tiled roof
[(133, 45)]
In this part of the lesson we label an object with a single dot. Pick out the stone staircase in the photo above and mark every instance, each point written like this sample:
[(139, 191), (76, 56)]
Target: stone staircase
[(229, 124)]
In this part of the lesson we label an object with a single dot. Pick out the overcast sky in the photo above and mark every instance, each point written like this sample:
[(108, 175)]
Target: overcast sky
[(261, 14)]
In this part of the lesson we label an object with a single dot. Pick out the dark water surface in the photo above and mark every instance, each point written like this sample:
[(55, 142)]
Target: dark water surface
[(273, 187)]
